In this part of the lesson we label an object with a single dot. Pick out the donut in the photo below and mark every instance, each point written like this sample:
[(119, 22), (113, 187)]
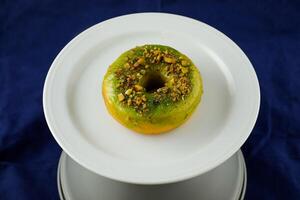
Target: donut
[(152, 89)]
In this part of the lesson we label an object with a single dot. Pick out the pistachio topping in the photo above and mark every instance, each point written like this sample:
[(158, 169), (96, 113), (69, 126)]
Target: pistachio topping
[(139, 62), (169, 59), (138, 87), (184, 63), (141, 65), (121, 97), (128, 92)]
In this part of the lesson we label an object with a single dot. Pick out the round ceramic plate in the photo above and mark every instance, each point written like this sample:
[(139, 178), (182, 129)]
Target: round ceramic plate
[(78, 119), (224, 182)]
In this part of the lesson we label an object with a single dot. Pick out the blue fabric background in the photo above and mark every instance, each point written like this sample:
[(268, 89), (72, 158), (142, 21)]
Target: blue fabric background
[(33, 32)]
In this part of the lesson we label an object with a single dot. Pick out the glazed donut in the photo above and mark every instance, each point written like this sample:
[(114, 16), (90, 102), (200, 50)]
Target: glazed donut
[(152, 89)]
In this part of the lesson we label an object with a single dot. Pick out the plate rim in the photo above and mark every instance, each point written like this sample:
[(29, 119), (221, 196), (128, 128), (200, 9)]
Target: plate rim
[(244, 188), (58, 177), (242, 164)]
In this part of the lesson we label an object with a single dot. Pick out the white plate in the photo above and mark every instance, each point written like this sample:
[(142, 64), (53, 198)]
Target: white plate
[(80, 123), (224, 182)]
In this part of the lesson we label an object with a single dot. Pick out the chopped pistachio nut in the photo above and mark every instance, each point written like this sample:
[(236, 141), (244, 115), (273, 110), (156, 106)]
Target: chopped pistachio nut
[(144, 98), (172, 81), (184, 70), (138, 87), (169, 59), (121, 97), (156, 52), (128, 92), (139, 62), (129, 101), (127, 65), (184, 63), (138, 101)]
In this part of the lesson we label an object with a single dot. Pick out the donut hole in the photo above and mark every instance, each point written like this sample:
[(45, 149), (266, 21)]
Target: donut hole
[(153, 81)]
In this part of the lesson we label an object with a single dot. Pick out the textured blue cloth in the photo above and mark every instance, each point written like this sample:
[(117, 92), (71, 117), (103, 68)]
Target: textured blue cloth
[(33, 32)]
